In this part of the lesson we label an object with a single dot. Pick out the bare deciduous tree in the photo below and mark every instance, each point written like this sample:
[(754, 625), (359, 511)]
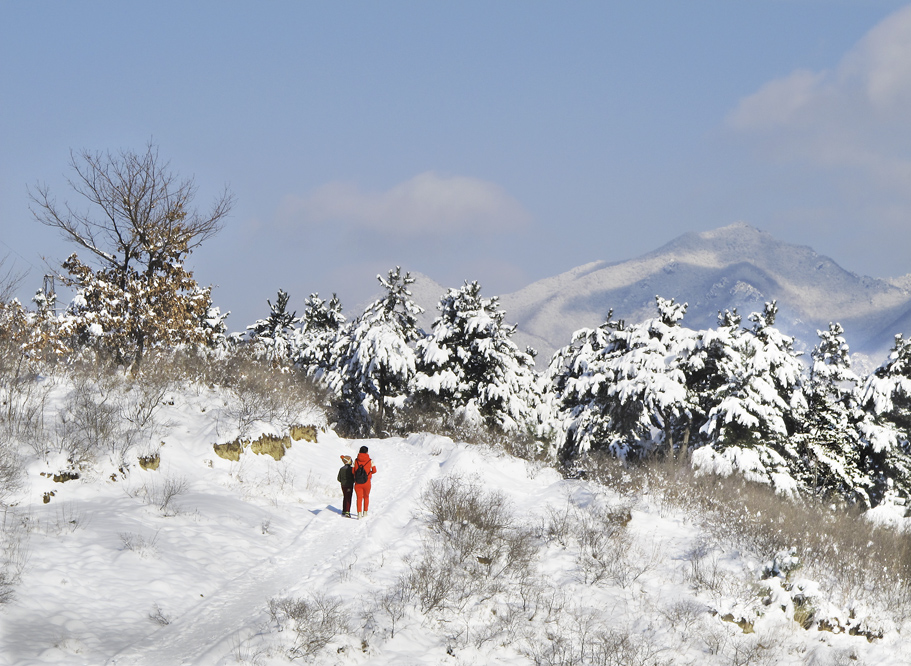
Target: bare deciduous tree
[(140, 212), (139, 226)]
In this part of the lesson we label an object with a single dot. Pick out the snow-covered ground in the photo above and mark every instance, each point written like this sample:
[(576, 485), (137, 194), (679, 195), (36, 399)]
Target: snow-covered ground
[(178, 566)]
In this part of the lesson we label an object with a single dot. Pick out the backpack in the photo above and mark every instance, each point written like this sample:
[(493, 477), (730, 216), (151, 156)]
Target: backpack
[(360, 474)]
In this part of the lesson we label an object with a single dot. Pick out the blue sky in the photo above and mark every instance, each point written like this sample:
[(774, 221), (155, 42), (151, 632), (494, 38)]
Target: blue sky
[(499, 141)]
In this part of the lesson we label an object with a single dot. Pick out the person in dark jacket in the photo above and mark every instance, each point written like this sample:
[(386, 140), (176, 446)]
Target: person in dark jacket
[(362, 490), (346, 479)]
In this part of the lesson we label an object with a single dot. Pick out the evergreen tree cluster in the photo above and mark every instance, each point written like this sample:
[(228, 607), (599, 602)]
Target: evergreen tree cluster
[(736, 398), (381, 368)]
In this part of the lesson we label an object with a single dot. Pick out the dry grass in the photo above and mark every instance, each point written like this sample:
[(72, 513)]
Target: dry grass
[(262, 393), (852, 558), (438, 419), (315, 619), (14, 536), (474, 551)]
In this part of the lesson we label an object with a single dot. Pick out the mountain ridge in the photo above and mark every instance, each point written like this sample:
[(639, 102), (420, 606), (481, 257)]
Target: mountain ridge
[(736, 266)]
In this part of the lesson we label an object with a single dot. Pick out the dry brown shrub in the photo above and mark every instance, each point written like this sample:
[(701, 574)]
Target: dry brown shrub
[(850, 556), (264, 393), (435, 418)]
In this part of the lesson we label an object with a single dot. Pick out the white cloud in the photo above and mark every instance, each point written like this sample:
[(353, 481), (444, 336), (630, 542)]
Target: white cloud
[(853, 116), (780, 102), (428, 204), (882, 62)]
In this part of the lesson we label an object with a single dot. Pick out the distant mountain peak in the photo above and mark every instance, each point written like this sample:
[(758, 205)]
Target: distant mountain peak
[(738, 227), (736, 265), (738, 237)]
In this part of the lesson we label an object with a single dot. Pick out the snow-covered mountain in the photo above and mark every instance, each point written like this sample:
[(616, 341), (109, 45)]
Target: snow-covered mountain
[(734, 266)]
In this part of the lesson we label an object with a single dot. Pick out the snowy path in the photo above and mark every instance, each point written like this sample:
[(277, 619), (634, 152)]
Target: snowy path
[(206, 633), (240, 539)]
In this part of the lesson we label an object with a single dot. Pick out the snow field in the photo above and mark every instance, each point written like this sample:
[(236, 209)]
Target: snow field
[(117, 576)]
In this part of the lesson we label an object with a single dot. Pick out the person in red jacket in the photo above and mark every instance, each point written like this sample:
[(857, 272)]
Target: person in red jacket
[(362, 490)]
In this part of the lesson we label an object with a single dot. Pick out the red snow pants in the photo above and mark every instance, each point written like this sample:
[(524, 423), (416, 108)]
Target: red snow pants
[(362, 490)]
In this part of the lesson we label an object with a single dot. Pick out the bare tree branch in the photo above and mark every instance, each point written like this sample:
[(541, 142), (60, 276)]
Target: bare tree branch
[(139, 212), (10, 280)]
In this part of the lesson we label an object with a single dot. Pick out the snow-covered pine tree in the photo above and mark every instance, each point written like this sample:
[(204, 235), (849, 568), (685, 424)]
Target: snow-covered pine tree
[(374, 359), (214, 329), (272, 337), (654, 405), (320, 315), (625, 388), (321, 324), (580, 421), (828, 439), (469, 365), (885, 429), (757, 409), (715, 358)]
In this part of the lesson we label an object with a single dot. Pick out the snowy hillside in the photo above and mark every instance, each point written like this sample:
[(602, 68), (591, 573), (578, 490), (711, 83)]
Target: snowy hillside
[(734, 266), (468, 556)]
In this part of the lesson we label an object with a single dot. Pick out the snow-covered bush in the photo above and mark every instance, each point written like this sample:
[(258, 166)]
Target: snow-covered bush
[(604, 554), (13, 552), (582, 635), (141, 397), (475, 549), (477, 524), (10, 467), (834, 543), (393, 603), (23, 399), (259, 393), (163, 494), (453, 502), (90, 426), (108, 413)]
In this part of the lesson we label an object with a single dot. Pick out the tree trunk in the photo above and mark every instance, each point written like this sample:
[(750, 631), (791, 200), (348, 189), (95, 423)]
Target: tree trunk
[(381, 420), (140, 347), (686, 443)]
